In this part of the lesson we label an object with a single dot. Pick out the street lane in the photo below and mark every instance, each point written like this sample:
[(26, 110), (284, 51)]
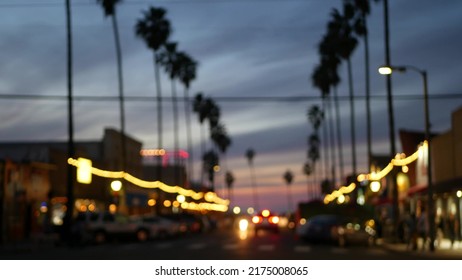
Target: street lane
[(219, 245)]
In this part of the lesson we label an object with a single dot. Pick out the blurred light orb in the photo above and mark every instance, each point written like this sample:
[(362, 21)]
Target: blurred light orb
[(116, 185), (375, 186), (243, 225)]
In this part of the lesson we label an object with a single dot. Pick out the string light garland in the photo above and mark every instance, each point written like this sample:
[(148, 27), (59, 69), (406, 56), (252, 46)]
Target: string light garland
[(400, 160), (214, 202)]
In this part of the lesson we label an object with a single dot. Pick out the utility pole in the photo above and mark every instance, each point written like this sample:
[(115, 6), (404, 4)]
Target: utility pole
[(391, 120), (70, 143)]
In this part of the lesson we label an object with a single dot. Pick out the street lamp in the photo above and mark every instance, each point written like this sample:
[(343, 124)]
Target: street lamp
[(388, 70)]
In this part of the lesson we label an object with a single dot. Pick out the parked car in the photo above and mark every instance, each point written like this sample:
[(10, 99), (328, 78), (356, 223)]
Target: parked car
[(338, 230), (160, 227), (267, 221), (100, 227)]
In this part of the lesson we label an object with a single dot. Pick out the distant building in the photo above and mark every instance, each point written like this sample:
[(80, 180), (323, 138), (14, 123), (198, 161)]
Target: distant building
[(33, 188)]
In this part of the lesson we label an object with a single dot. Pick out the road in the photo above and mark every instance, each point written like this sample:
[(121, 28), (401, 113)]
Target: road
[(223, 244)]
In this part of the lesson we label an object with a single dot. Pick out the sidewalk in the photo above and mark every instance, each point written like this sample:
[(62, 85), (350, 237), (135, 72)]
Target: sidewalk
[(443, 251)]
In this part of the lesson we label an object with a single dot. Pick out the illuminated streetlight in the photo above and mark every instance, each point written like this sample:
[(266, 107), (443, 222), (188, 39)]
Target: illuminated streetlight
[(388, 70), (385, 70)]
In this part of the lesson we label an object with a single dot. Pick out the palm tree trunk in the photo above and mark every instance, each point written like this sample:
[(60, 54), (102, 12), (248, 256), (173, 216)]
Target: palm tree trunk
[(326, 139), (352, 117), (331, 139), (368, 94), (289, 200), (123, 164), (339, 134), (203, 147), (391, 121), (159, 115), (187, 114), (175, 134), (121, 92), (254, 187)]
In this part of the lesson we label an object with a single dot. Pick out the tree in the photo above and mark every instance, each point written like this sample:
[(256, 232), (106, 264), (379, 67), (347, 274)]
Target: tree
[(288, 177), (211, 161), (307, 170), (322, 79), (315, 117), (250, 154), (330, 79), (340, 27), (202, 111), (155, 29), (109, 7), (222, 141), (187, 73), (362, 10), (229, 178), (168, 58)]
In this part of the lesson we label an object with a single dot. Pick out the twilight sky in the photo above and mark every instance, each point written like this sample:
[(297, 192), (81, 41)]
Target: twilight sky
[(245, 48)]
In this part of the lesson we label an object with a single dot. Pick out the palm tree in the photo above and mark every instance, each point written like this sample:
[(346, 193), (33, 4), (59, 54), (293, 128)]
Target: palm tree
[(340, 27), (202, 107), (186, 75), (222, 142), (229, 178), (321, 79), (250, 154), (210, 161), (169, 59), (315, 117), (363, 9), (307, 170), (154, 29), (288, 177), (330, 63), (109, 7)]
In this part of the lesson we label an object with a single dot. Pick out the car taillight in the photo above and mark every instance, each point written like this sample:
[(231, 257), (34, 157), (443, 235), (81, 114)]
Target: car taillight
[(274, 219), (257, 219)]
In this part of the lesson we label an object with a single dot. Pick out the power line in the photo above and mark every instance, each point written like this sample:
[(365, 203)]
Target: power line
[(134, 3), (260, 99)]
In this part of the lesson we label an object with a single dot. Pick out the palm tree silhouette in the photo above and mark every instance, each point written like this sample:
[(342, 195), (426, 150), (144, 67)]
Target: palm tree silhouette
[(154, 29), (168, 58), (288, 177), (362, 10), (187, 74), (315, 117), (222, 141), (250, 154), (329, 78), (321, 79), (109, 7), (210, 161), (307, 170), (341, 39), (202, 106), (229, 178)]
